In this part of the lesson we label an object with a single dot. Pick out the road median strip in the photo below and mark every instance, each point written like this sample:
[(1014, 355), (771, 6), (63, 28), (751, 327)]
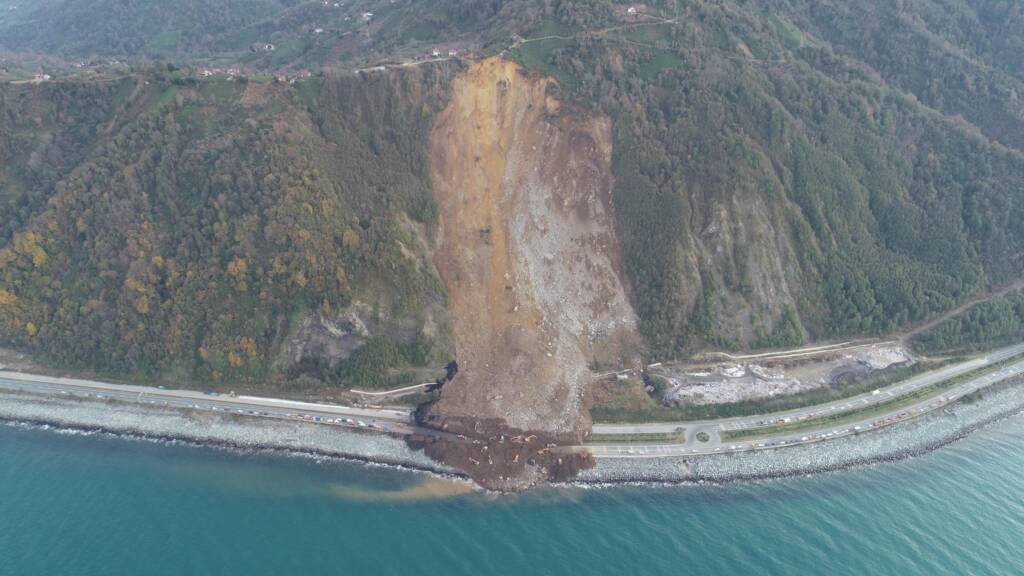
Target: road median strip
[(646, 437)]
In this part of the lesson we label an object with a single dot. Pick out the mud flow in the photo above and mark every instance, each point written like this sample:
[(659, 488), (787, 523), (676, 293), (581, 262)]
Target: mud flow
[(528, 252)]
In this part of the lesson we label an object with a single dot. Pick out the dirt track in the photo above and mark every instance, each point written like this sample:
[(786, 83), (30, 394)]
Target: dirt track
[(965, 306)]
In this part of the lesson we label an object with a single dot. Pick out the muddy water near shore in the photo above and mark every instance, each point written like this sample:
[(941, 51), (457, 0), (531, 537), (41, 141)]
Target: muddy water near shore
[(92, 504)]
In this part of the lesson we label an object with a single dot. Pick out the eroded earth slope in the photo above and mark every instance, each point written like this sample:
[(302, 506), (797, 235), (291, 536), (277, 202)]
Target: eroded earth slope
[(529, 255)]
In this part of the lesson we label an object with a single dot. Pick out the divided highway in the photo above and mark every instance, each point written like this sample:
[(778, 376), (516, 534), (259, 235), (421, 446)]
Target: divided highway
[(714, 428), (384, 419), (399, 421)]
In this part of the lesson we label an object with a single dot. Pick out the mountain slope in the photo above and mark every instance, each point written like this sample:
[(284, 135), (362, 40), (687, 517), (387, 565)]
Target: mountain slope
[(773, 187), (257, 34), (189, 240), (709, 175)]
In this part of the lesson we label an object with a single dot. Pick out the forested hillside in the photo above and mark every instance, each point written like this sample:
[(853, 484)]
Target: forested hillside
[(777, 181), (993, 323), (783, 171), (158, 227), (257, 34)]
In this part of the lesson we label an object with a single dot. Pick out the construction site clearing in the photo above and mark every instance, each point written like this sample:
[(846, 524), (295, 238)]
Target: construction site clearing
[(758, 378)]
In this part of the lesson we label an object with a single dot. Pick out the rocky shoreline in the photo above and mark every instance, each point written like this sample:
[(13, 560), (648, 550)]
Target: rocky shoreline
[(246, 435), (239, 434), (897, 442)]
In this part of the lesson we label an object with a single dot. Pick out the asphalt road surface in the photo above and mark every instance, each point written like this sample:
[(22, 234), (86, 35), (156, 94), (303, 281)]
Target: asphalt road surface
[(383, 419), (399, 421), (713, 428)]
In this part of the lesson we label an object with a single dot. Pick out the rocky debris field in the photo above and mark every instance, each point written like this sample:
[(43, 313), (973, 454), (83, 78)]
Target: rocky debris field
[(501, 458), (528, 252), (326, 339)]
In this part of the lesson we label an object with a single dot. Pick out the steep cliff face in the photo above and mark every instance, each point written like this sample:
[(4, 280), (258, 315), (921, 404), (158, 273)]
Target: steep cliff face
[(528, 252)]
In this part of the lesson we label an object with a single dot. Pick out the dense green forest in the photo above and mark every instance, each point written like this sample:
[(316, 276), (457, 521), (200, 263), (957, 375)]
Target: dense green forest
[(181, 228), (784, 171), (989, 324), (777, 180)]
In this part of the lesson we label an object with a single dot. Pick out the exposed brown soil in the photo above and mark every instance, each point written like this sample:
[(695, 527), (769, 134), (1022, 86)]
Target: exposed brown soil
[(501, 458), (528, 252)]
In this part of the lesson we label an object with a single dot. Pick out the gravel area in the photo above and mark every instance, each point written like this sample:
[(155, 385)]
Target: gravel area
[(217, 430), (760, 379)]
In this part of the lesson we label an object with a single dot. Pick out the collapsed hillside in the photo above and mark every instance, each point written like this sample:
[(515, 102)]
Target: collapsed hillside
[(528, 252), (741, 176)]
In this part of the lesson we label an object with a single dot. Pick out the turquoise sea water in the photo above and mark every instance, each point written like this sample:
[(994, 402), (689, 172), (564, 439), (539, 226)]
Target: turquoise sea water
[(77, 505)]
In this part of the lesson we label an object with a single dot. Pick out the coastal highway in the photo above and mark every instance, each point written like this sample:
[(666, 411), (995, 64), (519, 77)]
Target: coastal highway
[(714, 428), (399, 421), (808, 412), (391, 420)]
